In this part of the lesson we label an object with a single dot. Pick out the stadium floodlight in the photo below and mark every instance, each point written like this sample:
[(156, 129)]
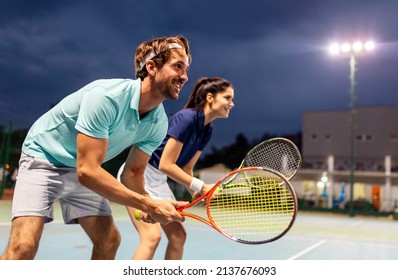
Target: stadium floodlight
[(346, 47), (369, 45), (352, 50), (334, 49), (356, 48)]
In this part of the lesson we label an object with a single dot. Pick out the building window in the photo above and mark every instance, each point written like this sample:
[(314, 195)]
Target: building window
[(328, 137), (394, 137), (313, 136), (364, 138)]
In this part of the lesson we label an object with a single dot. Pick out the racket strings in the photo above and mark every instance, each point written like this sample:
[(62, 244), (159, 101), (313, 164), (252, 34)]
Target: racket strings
[(278, 155), (253, 208)]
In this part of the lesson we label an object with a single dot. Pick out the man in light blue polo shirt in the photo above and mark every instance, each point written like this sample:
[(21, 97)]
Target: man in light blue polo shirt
[(119, 122), (64, 150)]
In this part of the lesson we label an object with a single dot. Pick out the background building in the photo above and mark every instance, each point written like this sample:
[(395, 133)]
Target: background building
[(328, 133), (326, 136)]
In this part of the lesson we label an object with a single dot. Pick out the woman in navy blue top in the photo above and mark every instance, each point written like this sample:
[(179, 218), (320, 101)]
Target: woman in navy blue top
[(189, 131)]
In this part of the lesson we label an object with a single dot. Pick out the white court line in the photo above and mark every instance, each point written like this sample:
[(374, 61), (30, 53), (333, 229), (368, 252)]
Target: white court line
[(356, 224), (307, 250)]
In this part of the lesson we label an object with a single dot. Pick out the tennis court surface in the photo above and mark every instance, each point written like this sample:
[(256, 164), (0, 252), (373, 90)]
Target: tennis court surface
[(313, 236)]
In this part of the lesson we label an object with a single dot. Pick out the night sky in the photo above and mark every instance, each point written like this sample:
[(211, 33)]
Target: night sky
[(275, 53)]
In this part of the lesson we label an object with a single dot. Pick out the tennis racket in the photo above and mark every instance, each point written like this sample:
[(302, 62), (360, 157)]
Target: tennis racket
[(251, 205), (279, 154)]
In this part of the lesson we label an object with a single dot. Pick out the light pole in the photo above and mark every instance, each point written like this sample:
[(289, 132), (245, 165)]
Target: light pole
[(352, 51)]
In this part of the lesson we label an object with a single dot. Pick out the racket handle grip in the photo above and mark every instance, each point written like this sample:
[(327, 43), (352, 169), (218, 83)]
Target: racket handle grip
[(137, 215)]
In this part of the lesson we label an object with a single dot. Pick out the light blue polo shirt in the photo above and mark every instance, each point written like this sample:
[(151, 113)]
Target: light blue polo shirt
[(102, 109)]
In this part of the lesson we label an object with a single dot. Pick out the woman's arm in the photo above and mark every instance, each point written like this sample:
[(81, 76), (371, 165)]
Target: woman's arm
[(168, 165)]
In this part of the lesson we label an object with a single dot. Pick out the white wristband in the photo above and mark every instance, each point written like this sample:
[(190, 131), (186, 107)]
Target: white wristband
[(196, 185)]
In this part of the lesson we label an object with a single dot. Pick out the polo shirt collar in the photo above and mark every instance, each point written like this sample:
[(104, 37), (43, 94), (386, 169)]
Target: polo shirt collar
[(135, 100)]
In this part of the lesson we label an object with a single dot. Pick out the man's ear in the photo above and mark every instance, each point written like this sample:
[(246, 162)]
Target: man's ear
[(151, 67)]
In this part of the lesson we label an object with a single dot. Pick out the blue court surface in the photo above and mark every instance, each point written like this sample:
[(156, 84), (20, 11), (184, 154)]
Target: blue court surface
[(314, 236)]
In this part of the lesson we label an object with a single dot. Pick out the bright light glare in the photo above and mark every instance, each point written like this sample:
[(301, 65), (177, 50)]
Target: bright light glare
[(334, 48), (345, 47), (369, 45), (357, 46), (324, 178)]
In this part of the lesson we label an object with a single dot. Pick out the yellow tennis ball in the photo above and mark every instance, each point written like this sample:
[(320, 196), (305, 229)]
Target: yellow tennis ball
[(137, 215)]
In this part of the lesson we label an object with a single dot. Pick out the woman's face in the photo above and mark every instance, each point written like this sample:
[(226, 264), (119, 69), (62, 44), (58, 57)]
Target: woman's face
[(222, 103)]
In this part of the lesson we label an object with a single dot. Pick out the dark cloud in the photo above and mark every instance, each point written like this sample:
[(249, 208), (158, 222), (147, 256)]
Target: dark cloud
[(274, 52)]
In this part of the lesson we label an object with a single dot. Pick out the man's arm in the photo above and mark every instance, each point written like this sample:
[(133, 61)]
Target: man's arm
[(132, 175), (90, 155)]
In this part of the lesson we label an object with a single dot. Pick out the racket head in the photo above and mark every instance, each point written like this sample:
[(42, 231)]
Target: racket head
[(279, 154), (252, 205)]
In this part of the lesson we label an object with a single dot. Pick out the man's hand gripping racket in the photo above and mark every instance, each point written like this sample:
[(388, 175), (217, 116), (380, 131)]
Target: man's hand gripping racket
[(251, 205)]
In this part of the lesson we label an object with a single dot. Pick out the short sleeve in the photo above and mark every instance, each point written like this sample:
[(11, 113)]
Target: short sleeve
[(97, 113)]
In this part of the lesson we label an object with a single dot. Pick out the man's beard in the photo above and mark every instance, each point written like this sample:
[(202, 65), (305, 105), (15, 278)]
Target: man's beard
[(167, 90)]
